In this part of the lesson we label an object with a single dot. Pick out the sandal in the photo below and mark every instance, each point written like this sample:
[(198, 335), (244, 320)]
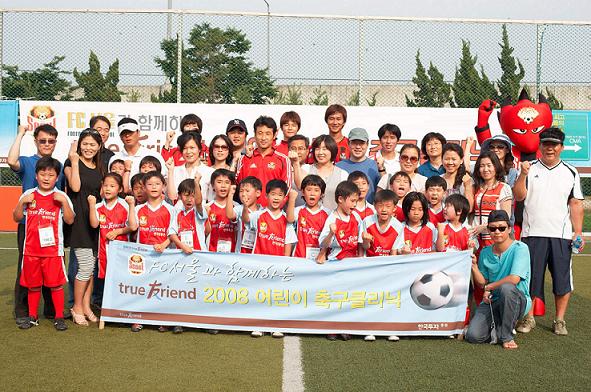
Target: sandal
[(510, 345), (90, 316), (78, 318)]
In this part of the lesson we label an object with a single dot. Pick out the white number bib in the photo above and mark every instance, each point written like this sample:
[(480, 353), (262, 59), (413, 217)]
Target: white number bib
[(187, 238), (248, 239), (312, 253), (46, 237), (224, 246)]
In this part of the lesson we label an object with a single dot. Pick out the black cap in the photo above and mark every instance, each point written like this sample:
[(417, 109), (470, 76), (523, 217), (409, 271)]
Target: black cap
[(498, 216), (553, 135), (236, 123)]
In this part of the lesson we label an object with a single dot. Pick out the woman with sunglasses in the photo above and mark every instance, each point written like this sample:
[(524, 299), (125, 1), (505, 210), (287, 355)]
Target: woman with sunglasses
[(501, 146), (409, 161), (84, 172), (219, 153)]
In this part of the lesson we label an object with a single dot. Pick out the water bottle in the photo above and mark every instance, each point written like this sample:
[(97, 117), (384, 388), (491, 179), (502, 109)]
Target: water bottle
[(577, 243)]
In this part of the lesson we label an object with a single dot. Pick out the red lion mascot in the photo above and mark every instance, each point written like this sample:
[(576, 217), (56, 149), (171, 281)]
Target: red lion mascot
[(522, 123)]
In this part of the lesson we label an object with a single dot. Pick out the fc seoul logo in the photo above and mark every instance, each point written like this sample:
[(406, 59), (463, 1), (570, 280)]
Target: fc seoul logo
[(143, 220)]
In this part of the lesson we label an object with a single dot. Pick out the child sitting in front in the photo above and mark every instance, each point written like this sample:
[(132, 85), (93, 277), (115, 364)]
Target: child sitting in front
[(363, 208), (435, 188), (420, 236)]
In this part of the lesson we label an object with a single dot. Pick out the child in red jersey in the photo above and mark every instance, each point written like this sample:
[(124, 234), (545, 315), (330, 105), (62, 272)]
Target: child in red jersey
[(340, 233), (43, 255), (363, 208), (274, 234), (381, 234), (420, 235), (156, 220), (435, 188), (454, 235), (190, 217), (310, 218), (400, 184), (250, 190), (224, 232), (290, 124), (111, 216)]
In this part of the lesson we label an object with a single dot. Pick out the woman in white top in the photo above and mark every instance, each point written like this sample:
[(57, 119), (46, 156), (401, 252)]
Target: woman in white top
[(324, 153), (190, 146), (409, 161)]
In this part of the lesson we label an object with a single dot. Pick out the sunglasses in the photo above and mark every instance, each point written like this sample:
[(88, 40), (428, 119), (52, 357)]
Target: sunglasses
[(407, 158), (501, 229), (222, 147), (497, 146), (46, 141), (91, 131)]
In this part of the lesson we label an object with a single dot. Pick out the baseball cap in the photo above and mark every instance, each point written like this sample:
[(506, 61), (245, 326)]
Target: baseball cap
[(358, 134), (499, 216), (553, 135), (236, 123), (127, 124), (497, 138)]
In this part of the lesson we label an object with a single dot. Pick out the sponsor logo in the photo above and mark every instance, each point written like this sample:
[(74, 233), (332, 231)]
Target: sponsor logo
[(212, 218), (40, 115), (303, 221), (271, 165), (102, 218), (135, 264), (263, 227)]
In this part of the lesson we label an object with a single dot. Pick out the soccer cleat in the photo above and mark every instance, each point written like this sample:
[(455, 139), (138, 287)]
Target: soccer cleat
[(29, 322), (369, 338), (136, 327), (60, 324), (345, 336), (256, 334), (163, 328), (331, 337), (213, 331), (393, 338), (177, 329), (526, 324), (559, 327), (277, 334)]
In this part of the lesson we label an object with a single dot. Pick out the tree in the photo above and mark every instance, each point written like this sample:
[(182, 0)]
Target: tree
[(469, 87), (509, 84), (354, 99), (292, 97), (320, 97), (96, 86), (44, 84), (553, 101), (432, 90), (214, 69)]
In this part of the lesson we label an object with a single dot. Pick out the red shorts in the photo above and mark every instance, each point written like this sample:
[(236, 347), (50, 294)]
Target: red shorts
[(43, 271)]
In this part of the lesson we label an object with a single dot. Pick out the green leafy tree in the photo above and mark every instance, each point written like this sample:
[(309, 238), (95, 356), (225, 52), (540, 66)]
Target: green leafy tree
[(96, 86), (432, 89), (293, 96), (470, 88), (513, 71), (320, 97), (373, 100), (214, 69), (553, 101), (46, 83), (354, 99)]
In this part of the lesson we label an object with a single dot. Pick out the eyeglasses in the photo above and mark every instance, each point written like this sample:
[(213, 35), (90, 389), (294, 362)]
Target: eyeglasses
[(46, 141), (407, 158), (501, 229), (298, 149), (222, 147), (497, 147)]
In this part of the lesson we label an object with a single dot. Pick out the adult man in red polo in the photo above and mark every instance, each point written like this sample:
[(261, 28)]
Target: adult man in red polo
[(265, 163)]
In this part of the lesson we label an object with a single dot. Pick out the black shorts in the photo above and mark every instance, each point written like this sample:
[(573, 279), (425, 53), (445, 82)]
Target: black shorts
[(556, 254)]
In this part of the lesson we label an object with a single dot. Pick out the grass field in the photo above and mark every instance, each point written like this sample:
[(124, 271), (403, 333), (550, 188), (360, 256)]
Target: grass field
[(116, 359)]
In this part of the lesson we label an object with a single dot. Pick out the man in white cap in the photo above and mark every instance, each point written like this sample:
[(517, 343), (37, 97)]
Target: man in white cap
[(133, 151)]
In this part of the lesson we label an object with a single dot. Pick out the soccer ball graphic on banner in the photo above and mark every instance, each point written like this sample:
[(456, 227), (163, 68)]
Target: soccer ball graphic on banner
[(432, 290)]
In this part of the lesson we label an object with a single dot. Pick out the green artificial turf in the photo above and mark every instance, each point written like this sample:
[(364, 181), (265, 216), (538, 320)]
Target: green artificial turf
[(116, 359)]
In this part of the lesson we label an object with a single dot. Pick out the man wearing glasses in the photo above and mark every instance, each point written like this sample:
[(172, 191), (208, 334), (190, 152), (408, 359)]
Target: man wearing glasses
[(45, 137), (552, 219), (503, 270)]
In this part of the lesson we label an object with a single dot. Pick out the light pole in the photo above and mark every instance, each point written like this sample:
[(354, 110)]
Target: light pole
[(268, 38), (169, 21)]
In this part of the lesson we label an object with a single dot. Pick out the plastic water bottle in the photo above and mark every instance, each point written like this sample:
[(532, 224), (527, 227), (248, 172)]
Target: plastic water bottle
[(577, 243)]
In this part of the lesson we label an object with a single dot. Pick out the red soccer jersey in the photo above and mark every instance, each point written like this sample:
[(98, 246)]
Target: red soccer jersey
[(110, 218), (455, 239), (272, 232), (274, 165), (345, 241), (282, 147), (369, 210), (343, 150), (399, 214), (191, 230), (43, 224), (155, 224), (383, 241), (177, 154), (223, 231), (420, 239), (309, 226), (435, 216)]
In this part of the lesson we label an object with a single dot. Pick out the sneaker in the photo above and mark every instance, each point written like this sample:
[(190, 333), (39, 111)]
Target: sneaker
[(526, 324), (21, 320), (331, 337), (177, 329), (256, 334), (29, 322), (369, 338), (136, 327), (212, 331), (60, 324), (345, 336), (163, 328), (559, 327), (393, 338), (277, 334)]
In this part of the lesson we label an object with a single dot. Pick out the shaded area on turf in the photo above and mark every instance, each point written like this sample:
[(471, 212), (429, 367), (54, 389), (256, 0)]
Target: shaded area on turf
[(542, 362), (117, 359)]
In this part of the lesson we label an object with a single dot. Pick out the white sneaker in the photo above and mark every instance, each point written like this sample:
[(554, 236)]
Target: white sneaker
[(369, 338), (256, 334), (393, 338), (277, 334)]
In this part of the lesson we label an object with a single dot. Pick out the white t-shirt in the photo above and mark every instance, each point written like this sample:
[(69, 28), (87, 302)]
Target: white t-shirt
[(417, 184), (136, 158), (390, 165), (182, 173), (549, 189)]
